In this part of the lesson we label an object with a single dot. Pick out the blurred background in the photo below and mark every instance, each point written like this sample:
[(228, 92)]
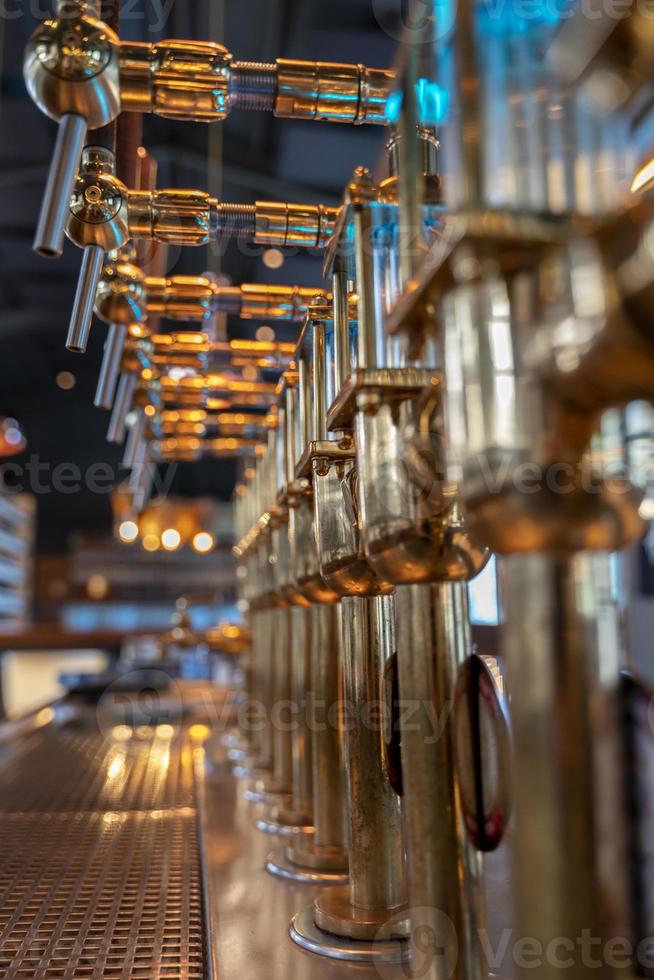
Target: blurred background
[(75, 579), (66, 577)]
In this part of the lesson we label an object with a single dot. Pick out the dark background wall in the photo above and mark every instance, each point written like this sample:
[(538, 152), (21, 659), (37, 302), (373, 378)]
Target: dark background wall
[(262, 157)]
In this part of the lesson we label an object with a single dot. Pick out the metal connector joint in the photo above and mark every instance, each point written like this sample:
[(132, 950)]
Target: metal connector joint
[(332, 92)]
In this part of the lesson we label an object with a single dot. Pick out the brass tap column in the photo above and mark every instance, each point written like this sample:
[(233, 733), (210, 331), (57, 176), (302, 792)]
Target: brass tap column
[(79, 72), (363, 920), (320, 858), (293, 815), (105, 215)]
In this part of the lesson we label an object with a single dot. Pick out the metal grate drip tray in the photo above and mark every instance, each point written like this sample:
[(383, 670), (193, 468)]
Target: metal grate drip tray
[(100, 873)]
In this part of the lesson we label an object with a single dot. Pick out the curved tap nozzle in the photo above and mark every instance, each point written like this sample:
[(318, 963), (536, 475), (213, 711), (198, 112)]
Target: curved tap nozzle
[(98, 223), (125, 392), (71, 72), (75, 63), (79, 72), (104, 215), (137, 434), (199, 298), (110, 367)]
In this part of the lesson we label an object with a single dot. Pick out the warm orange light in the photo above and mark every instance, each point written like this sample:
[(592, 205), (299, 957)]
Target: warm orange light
[(644, 178), (151, 541), (128, 531), (272, 258), (266, 334), (203, 542), (199, 732), (65, 380), (171, 539), (97, 587)]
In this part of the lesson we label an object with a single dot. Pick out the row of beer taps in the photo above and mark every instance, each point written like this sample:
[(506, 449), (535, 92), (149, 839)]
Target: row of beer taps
[(477, 379)]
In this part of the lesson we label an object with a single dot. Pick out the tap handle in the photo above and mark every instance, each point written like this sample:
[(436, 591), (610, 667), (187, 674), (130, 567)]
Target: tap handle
[(135, 438), (110, 367), (82, 315), (49, 237), (122, 405), (141, 479)]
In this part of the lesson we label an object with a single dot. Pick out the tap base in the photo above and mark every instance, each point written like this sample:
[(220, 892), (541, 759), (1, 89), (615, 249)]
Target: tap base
[(335, 913), (304, 851), (280, 865), (270, 793), (275, 824), (306, 934), (249, 770)]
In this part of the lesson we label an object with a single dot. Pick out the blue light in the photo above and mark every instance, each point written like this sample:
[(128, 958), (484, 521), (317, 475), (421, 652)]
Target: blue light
[(432, 103), (506, 18), (483, 596), (393, 106)]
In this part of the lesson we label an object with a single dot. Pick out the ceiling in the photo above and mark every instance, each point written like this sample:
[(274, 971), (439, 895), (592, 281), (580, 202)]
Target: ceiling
[(262, 158)]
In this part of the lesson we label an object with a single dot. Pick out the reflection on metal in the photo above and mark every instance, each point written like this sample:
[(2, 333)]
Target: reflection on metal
[(100, 839), (479, 380), (280, 863), (309, 936)]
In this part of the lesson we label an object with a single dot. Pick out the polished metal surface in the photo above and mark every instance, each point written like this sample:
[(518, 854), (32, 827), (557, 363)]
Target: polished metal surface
[(100, 862), (283, 822), (123, 402), (566, 650), (242, 892), (129, 853), (49, 236), (281, 864), (444, 868), (329, 796), (307, 935), (82, 314), (110, 366), (469, 388)]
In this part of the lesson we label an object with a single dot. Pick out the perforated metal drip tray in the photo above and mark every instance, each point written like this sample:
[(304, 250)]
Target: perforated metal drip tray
[(100, 864)]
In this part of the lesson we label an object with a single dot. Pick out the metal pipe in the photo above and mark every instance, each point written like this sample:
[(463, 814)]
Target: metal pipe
[(134, 439), (443, 866), (260, 735), (322, 856), (304, 401), (49, 237), (327, 743), (368, 320), (376, 867), (370, 909), (123, 403), (281, 697), (562, 656), (87, 285), (141, 480), (298, 812), (318, 424), (302, 639), (110, 367), (411, 180), (342, 368)]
